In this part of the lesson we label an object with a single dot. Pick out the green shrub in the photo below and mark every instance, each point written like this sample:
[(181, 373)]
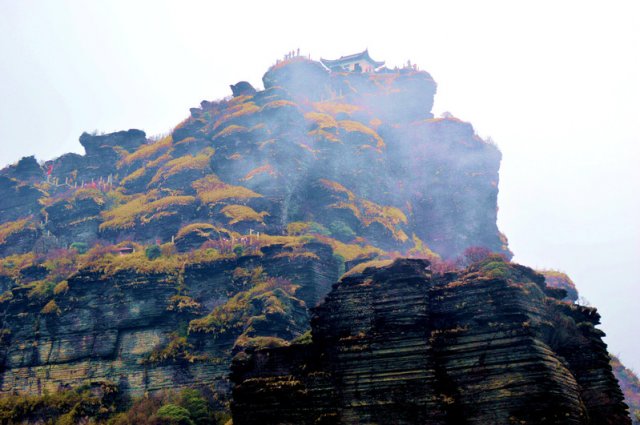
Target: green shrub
[(341, 230), (174, 415), (152, 252), (81, 247), (238, 250), (197, 406)]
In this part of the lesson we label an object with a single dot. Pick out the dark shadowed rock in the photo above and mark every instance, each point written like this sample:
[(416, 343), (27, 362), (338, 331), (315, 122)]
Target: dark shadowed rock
[(97, 144), (25, 170), (17, 199), (242, 88), (396, 345)]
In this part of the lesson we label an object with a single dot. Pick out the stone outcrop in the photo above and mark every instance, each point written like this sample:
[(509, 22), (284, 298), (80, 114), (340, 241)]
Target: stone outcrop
[(25, 170), (116, 326), (398, 345), (242, 88), (17, 199)]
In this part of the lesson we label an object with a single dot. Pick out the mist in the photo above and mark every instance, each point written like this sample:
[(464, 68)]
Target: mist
[(555, 86)]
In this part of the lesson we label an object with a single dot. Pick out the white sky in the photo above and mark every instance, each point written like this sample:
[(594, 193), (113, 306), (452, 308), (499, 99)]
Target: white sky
[(556, 84)]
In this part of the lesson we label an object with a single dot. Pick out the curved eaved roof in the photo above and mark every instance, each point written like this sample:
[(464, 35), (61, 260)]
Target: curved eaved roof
[(329, 63)]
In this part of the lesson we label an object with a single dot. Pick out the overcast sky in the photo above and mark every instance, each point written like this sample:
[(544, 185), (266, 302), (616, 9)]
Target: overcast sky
[(556, 84)]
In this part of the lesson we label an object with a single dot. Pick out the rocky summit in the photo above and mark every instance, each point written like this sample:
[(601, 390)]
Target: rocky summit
[(323, 250)]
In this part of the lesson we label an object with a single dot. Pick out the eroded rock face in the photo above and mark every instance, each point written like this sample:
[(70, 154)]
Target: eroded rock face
[(117, 326), (242, 88), (18, 199), (397, 345)]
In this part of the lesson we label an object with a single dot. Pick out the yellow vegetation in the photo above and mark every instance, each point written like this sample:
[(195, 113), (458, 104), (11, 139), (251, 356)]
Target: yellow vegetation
[(232, 129), (335, 108), (11, 265), (183, 163), (368, 212), (350, 252), (278, 104), (61, 288), (297, 228), (421, 250), (135, 175), (12, 227), (298, 255), (211, 190), (181, 303), (237, 312), (40, 289), (267, 168), (238, 213), (323, 134), (147, 151), (86, 193), (237, 110), (337, 187), (201, 229), (355, 126), (51, 308), (363, 266), (322, 120), (287, 241), (142, 209), (111, 264)]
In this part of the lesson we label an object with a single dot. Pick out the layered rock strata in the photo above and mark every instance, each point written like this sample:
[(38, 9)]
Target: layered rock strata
[(398, 345), (116, 327)]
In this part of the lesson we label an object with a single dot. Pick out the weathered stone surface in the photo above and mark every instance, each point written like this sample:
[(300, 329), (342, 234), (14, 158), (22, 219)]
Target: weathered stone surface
[(397, 345), (242, 88), (17, 200), (108, 326), (26, 170)]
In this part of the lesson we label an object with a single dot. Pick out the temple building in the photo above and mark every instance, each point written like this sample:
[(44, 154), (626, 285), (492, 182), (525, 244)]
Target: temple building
[(359, 62)]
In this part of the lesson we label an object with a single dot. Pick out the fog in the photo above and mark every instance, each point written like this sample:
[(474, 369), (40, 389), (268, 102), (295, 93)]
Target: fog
[(555, 85)]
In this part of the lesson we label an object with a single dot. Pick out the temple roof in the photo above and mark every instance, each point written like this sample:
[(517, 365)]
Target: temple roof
[(329, 63)]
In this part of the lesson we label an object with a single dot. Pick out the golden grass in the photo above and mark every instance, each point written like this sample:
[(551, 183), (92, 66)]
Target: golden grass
[(368, 212), (267, 168), (294, 255), (358, 127), (236, 111), (111, 264), (13, 227), (350, 252), (202, 229), (183, 163), (142, 208), (338, 188), (238, 213), (323, 134), (11, 265), (378, 264), (333, 108), (51, 308), (322, 120), (421, 250), (135, 175), (211, 190), (147, 151), (232, 129), (278, 104)]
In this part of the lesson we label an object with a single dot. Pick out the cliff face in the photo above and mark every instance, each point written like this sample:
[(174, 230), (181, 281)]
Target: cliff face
[(149, 264), (397, 345), (132, 328)]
